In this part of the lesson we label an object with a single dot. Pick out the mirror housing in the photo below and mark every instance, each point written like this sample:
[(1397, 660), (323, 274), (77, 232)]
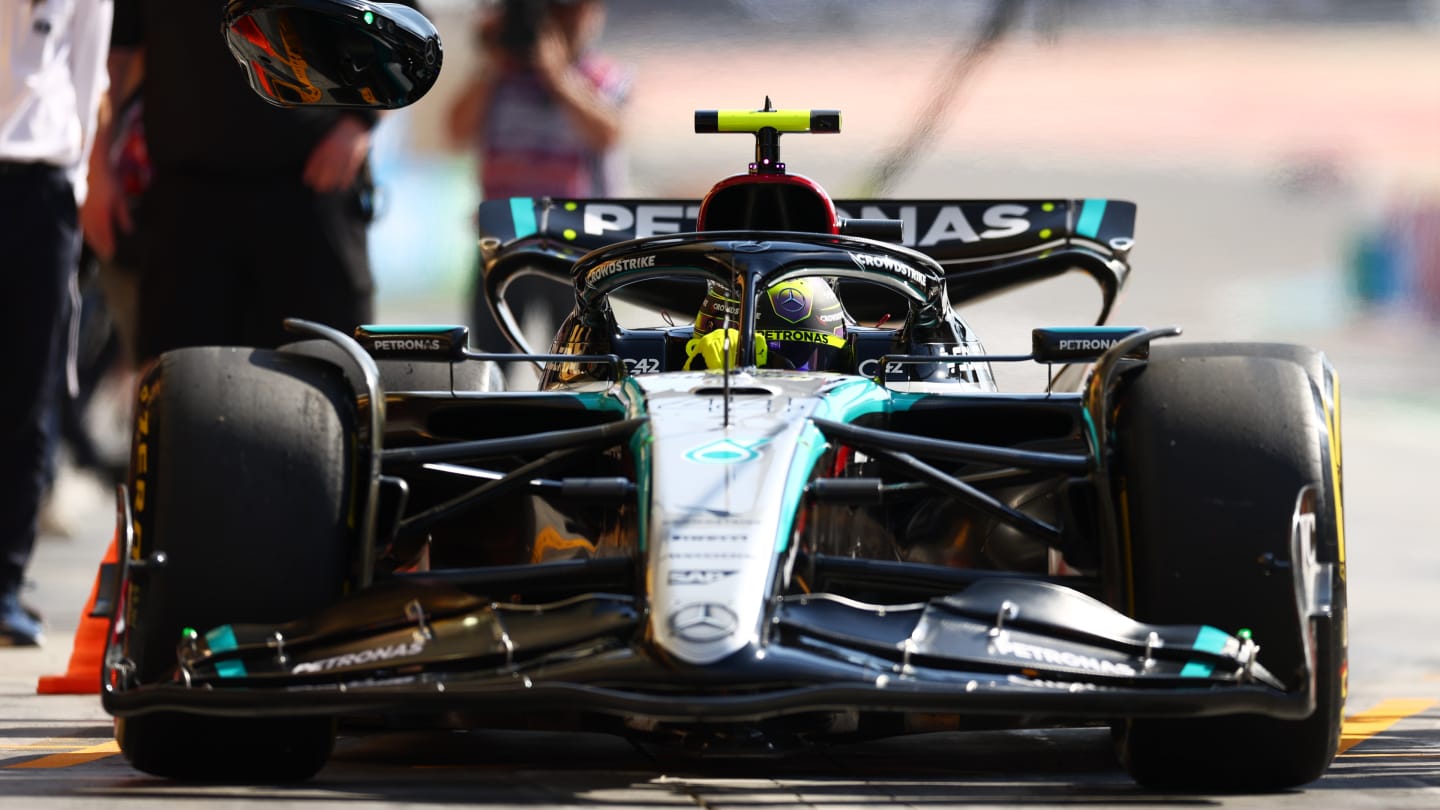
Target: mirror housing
[(334, 53)]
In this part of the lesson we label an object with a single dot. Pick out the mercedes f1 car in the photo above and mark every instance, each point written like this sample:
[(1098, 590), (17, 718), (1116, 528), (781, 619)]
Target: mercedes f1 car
[(808, 515)]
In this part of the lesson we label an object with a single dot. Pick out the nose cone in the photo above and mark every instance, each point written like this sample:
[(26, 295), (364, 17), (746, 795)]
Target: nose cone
[(722, 504)]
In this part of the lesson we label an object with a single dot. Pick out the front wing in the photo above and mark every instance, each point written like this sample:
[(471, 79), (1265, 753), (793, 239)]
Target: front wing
[(1002, 646)]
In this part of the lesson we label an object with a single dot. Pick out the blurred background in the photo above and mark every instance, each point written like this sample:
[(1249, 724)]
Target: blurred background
[(1285, 154)]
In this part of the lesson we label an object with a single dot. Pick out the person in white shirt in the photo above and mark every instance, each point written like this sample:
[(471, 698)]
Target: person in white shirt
[(52, 80)]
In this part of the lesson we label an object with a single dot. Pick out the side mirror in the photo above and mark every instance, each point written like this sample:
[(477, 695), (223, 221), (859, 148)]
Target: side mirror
[(334, 53)]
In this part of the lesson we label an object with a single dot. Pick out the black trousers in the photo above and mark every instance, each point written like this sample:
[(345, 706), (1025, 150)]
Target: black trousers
[(224, 259), (39, 254)]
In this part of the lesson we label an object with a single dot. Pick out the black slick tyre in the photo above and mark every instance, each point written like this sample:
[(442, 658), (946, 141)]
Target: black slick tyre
[(1213, 445), (243, 475)]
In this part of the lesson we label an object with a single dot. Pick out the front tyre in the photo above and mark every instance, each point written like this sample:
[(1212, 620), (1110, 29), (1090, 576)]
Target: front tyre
[(243, 474), (1214, 443)]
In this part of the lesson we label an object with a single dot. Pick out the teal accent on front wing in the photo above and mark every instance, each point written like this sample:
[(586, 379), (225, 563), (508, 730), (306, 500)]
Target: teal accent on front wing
[(231, 669), (522, 214), (1091, 213), (222, 639), (1210, 640)]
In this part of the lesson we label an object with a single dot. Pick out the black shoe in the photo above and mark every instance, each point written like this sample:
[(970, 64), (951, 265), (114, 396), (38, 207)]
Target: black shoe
[(19, 627)]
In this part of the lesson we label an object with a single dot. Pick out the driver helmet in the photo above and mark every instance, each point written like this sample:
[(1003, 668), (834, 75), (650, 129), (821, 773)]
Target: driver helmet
[(800, 324)]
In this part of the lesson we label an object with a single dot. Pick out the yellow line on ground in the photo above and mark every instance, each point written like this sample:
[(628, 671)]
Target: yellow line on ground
[(1392, 756), (1357, 729), (69, 758), (1361, 727)]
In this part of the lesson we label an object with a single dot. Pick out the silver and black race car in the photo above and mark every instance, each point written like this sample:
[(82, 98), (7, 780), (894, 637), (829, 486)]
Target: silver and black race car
[(768, 491)]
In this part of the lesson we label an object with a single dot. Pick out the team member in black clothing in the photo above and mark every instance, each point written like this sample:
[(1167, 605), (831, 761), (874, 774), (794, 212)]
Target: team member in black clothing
[(52, 78), (254, 214)]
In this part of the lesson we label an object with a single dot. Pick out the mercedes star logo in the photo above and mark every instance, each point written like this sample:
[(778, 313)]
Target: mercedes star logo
[(791, 303), (703, 622)]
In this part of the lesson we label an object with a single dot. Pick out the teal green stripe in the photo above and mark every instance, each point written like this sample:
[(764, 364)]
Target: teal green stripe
[(642, 446), (230, 669), (851, 400), (221, 639), (522, 213), (1091, 434), (808, 450), (1091, 212), (1211, 640), (602, 401), (642, 450)]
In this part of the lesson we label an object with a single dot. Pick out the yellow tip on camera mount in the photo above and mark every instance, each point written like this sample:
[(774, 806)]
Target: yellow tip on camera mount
[(767, 125)]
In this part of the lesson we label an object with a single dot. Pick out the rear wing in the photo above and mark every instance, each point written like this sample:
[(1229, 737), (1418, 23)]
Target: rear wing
[(983, 245), (949, 231)]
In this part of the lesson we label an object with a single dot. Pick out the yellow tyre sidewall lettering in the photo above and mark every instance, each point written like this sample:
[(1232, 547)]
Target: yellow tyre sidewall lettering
[(1332, 416), (142, 471)]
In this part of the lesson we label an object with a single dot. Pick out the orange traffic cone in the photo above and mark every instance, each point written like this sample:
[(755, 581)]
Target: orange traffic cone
[(82, 676)]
